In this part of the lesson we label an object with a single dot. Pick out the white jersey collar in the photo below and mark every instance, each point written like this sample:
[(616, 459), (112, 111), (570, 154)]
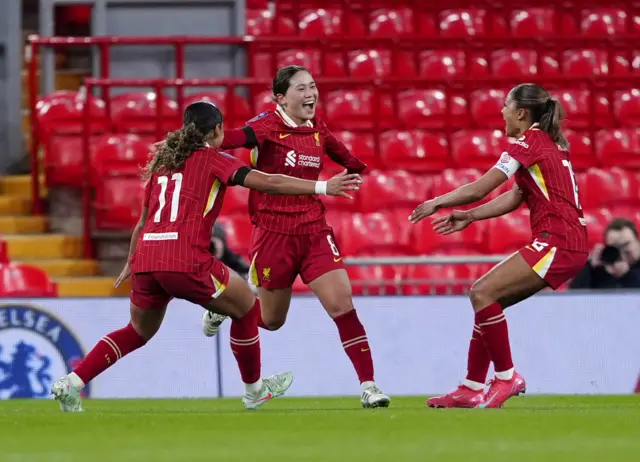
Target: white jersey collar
[(289, 121)]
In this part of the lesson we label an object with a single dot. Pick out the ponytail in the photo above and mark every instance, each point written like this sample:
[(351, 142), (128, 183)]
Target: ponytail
[(550, 122), (175, 150)]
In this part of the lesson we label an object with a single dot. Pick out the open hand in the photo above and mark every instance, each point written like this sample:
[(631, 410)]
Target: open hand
[(424, 210), (452, 223), (342, 182), (124, 275)]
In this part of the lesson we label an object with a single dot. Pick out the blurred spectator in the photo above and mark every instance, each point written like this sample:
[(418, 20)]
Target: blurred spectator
[(616, 264), (222, 252)]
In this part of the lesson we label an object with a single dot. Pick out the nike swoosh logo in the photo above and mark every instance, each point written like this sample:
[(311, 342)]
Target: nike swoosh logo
[(269, 396), (364, 349), (486, 403), (284, 135), (337, 259), (458, 397)]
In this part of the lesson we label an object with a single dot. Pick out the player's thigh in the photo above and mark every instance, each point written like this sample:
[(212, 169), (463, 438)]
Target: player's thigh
[(148, 304), (321, 257), (146, 322), (274, 304), (275, 259), (333, 289), (556, 266), (508, 282), (236, 300)]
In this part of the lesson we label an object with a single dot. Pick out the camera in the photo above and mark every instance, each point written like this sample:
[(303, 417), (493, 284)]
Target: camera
[(610, 255)]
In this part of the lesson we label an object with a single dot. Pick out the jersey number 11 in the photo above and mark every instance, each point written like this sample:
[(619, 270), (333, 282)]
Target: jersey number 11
[(163, 181)]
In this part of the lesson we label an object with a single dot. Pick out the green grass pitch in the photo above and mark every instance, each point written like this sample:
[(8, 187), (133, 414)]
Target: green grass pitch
[(533, 428)]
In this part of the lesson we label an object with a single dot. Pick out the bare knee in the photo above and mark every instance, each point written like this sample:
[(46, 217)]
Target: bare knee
[(274, 321), (145, 330), (480, 297), (338, 305)]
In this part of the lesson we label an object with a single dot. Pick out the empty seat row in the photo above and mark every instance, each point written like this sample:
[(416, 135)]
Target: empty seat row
[(334, 21), (449, 63), (19, 280)]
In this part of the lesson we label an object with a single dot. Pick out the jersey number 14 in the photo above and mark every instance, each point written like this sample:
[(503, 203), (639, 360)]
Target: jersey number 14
[(163, 181)]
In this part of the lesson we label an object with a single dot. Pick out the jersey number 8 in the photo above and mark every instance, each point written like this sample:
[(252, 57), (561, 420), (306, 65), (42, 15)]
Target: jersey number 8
[(163, 181)]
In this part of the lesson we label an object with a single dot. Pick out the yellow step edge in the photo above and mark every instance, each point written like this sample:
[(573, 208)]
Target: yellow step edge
[(20, 185), (91, 287), (15, 205), (36, 246), (66, 267), (11, 224)]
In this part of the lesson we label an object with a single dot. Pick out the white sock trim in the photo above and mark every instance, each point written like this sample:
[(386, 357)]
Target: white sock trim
[(476, 386), (75, 381), (253, 388), (505, 375)]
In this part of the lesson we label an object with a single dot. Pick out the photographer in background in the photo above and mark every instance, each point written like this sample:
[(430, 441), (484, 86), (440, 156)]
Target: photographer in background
[(616, 265), (222, 252)]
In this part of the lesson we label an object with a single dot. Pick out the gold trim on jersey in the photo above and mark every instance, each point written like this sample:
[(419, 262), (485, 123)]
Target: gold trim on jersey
[(253, 273), (254, 157), (536, 174), (542, 267), (220, 287), (213, 194)]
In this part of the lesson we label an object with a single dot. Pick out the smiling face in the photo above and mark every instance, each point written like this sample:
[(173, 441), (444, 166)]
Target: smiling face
[(301, 98)]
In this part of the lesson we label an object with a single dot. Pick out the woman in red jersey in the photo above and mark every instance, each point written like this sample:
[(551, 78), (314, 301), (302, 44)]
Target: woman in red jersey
[(545, 181), (169, 253), (291, 236)]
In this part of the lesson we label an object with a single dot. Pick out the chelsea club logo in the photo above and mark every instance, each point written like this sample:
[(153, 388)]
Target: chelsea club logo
[(35, 348)]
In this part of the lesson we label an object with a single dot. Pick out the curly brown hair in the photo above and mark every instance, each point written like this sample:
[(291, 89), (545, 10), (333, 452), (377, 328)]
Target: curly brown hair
[(175, 150)]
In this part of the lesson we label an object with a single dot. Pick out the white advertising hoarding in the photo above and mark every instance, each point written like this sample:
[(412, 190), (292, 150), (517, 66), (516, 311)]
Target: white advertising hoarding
[(573, 344)]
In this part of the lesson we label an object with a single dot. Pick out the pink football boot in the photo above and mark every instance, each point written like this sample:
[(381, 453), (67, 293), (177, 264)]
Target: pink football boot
[(501, 390), (461, 397)]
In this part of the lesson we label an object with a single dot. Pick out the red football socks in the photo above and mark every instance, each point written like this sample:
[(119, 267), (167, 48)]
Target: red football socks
[(355, 344), (245, 344), (107, 351), (493, 325), (479, 359)]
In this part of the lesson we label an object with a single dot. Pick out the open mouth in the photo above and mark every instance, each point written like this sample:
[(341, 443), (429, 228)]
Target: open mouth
[(310, 104)]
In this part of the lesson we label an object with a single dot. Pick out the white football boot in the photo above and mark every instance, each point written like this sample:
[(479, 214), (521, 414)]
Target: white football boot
[(211, 322), (272, 387), (67, 395), (372, 397)]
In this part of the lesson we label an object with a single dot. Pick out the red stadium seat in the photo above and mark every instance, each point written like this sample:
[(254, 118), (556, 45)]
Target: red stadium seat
[(486, 107), (597, 221), (392, 23), (361, 145), (592, 62), (331, 22), (118, 201), (236, 201), (63, 112), (236, 113), (478, 148), (603, 188), (470, 23), (120, 155), (264, 102), (576, 104), (64, 165), (353, 110), (391, 190), (341, 222), (4, 252), (522, 63), (619, 148), (325, 64), (451, 63), (377, 234), (606, 21), (365, 64), (509, 232), (415, 151), (428, 109), (539, 22), (582, 151), (239, 231), (19, 280), (375, 280), (451, 179), (626, 108), (261, 23), (137, 113)]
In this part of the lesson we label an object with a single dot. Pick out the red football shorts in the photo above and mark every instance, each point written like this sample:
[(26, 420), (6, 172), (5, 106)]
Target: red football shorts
[(154, 290), (554, 265), (277, 259)]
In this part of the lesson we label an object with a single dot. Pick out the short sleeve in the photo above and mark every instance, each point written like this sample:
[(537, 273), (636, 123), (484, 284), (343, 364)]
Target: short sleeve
[(147, 192), (507, 165), (261, 126), (523, 150), (224, 165)]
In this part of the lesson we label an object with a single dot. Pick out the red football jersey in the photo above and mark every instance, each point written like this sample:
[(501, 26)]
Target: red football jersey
[(281, 147), (182, 207), (550, 190)]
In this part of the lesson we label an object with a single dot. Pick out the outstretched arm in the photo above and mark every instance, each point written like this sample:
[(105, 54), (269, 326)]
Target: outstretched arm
[(501, 205), (290, 186), (243, 137)]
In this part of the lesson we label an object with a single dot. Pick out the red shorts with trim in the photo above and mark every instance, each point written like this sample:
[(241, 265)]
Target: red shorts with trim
[(556, 266), (155, 289), (277, 259)]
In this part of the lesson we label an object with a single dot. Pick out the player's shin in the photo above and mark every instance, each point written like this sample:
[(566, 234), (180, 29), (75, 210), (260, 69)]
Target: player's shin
[(495, 334), (356, 345), (108, 350), (478, 361), (245, 345)]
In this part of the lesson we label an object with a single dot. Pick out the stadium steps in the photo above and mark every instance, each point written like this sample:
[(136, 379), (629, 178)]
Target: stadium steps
[(60, 255)]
